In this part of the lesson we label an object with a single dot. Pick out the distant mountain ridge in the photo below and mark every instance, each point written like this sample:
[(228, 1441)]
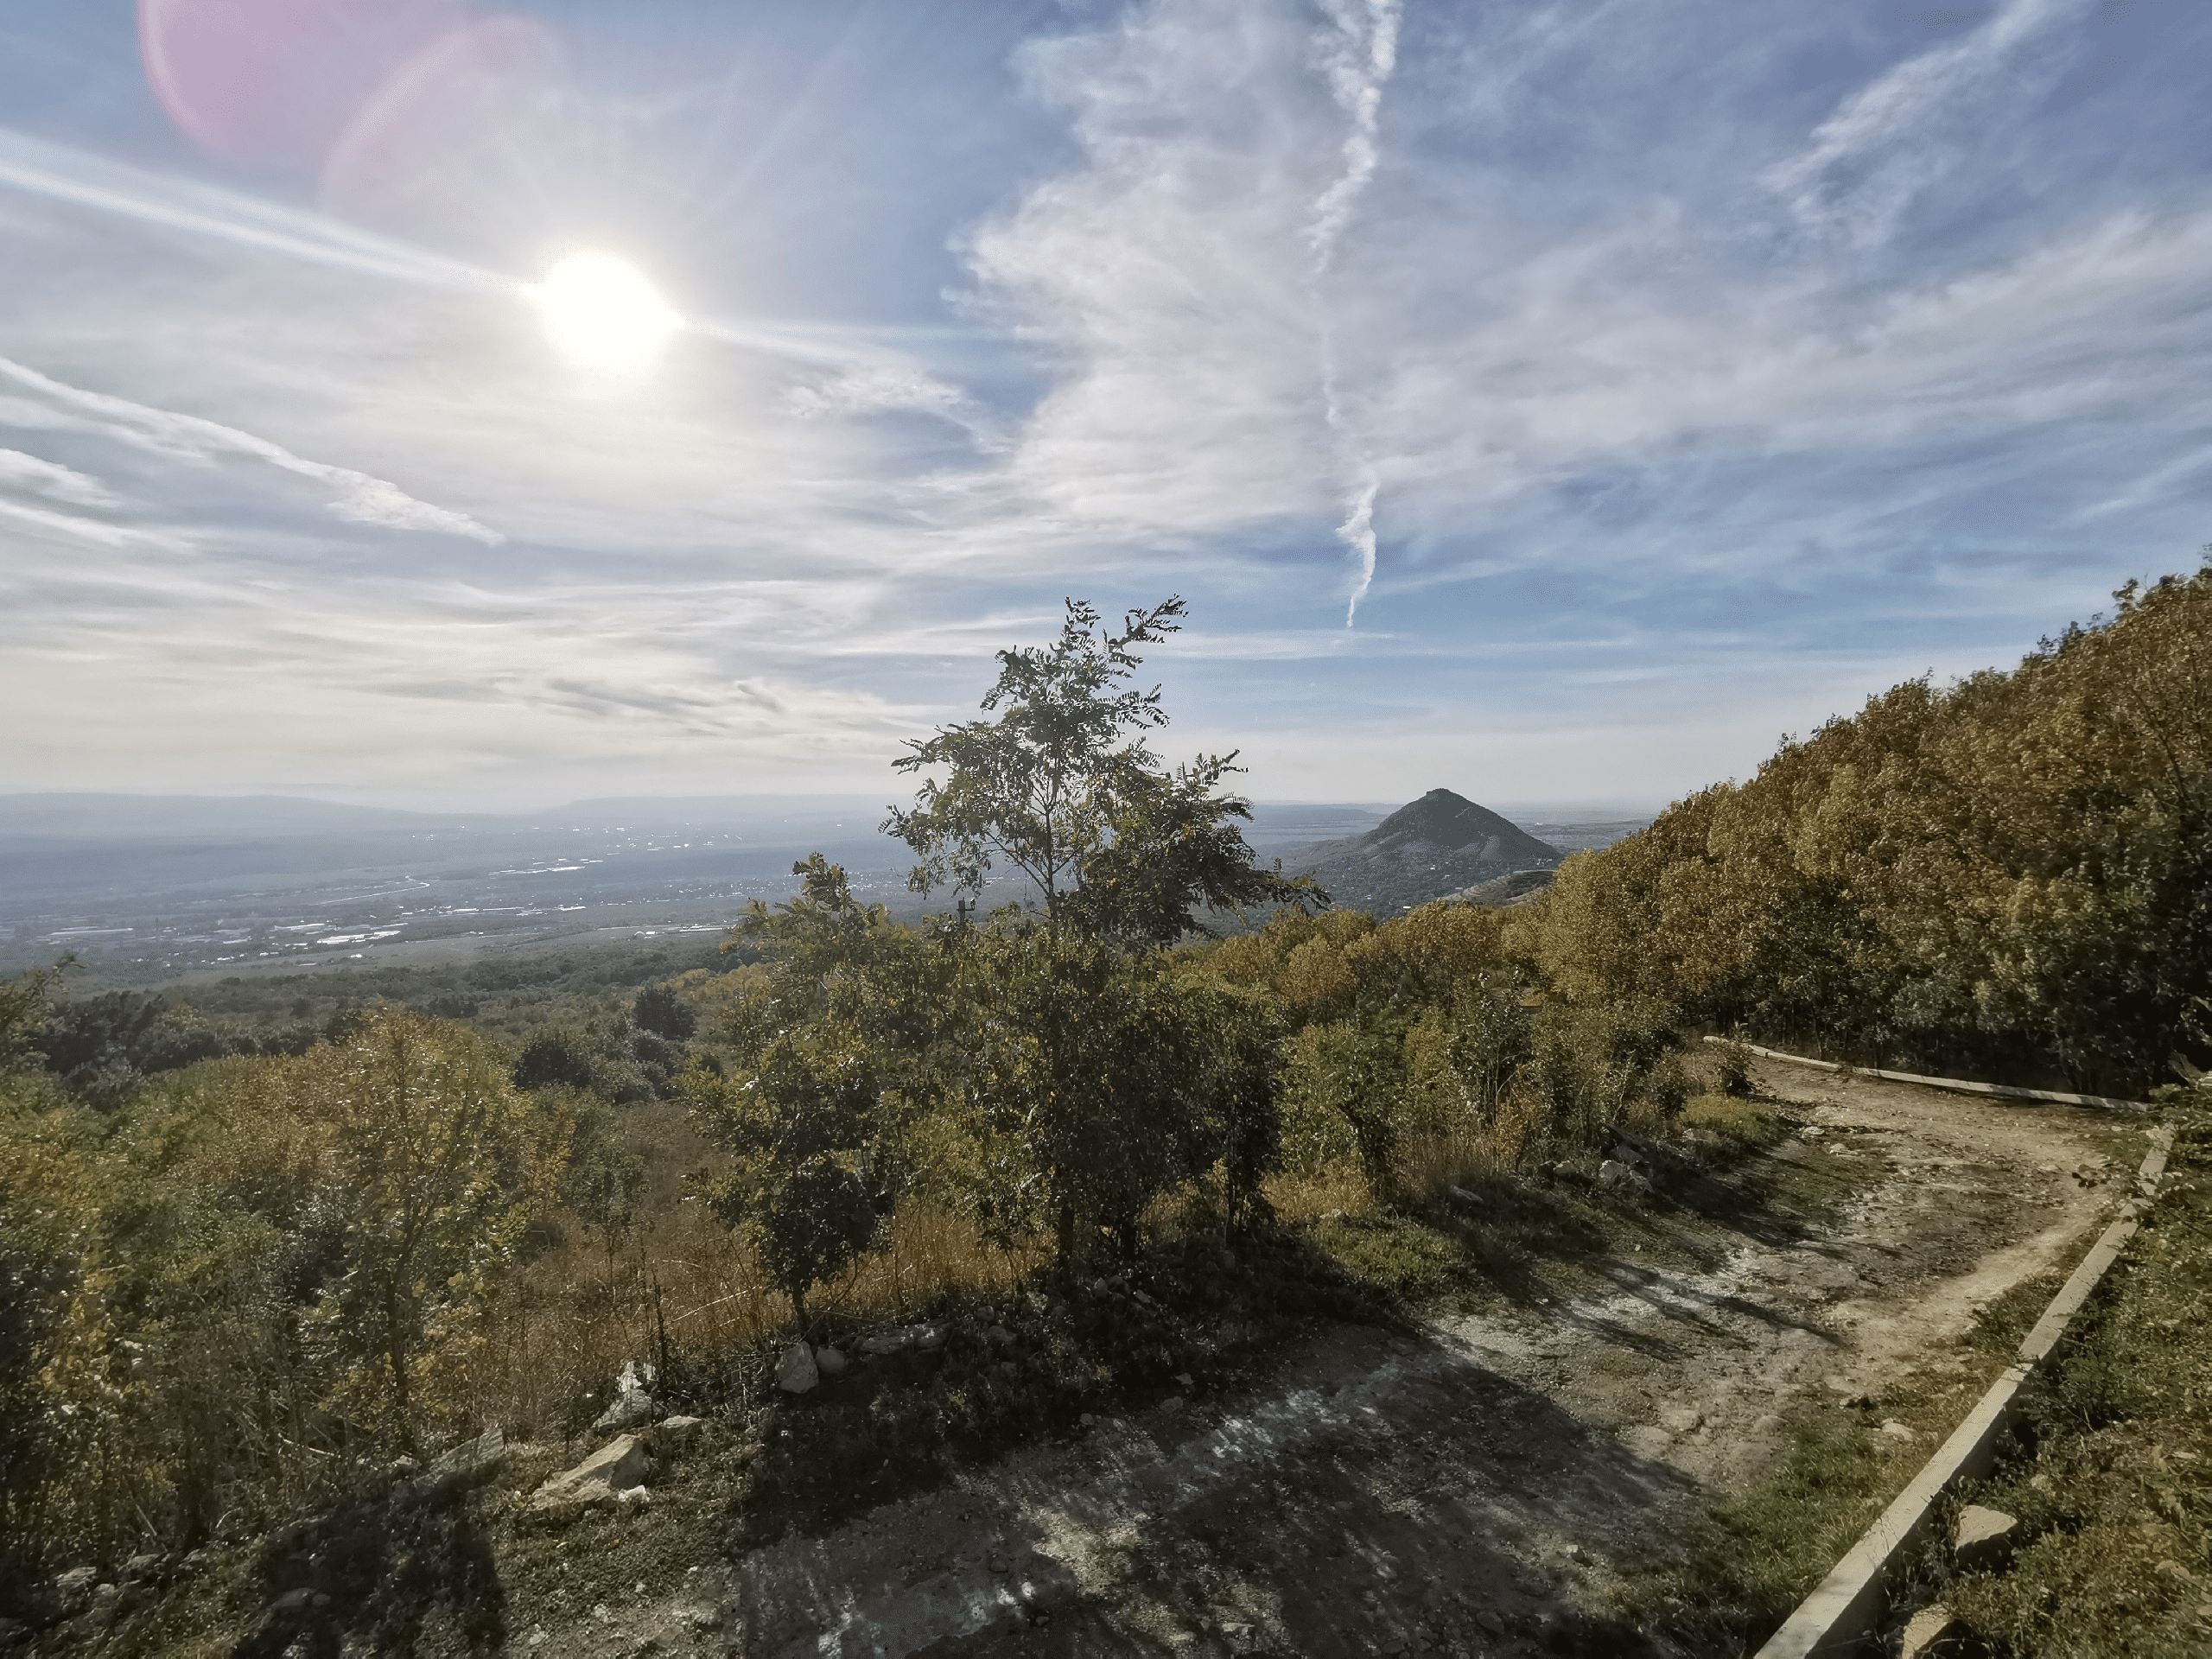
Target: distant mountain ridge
[(1428, 847)]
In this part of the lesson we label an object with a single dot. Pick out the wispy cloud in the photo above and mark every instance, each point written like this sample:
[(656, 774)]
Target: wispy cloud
[(57, 483), (64, 173), (1891, 137), (1359, 52), (360, 497), (71, 526), (1690, 379)]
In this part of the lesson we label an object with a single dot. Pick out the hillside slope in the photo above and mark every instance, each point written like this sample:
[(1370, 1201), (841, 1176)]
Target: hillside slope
[(1426, 848)]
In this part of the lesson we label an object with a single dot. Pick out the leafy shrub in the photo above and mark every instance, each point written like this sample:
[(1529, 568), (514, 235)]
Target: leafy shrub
[(558, 1056), (1731, 1069)]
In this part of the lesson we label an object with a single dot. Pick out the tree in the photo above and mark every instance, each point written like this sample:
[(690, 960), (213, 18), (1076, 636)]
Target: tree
[(1090, 1066), (555, 1057), (26, 1004), (2010, 876), (1057, 1072), (661, 1011), (435, 1176), (1062, 787), (801, 1114), (603, 1181)]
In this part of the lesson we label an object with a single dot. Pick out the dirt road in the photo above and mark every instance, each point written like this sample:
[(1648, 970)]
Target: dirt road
[(1479, 1488)]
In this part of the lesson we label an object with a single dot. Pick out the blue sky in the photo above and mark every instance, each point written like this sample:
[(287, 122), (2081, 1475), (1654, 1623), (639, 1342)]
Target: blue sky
[(1697, 368)]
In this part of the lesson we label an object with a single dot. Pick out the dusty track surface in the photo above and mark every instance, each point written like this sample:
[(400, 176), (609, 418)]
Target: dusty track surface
[(1480, 1488)]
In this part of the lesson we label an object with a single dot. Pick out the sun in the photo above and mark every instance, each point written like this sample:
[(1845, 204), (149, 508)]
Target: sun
[(603, 314)]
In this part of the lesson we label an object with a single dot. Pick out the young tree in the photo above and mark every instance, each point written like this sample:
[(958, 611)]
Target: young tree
[(1091, 1066), (1061, 787), (798, 1123), (803, 1113), (26, 1003), (604, 1182), (435, 1175)]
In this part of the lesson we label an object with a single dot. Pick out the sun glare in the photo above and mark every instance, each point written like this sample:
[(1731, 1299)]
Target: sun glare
[(603, 314)]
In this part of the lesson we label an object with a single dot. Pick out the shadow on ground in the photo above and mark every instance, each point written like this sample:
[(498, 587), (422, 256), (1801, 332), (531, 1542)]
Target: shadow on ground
[(399, 1575)]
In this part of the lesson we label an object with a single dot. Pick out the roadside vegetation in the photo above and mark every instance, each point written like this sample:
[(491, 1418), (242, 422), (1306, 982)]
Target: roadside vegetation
[(2007, 879), (2110, 1472), (1120, 1140)]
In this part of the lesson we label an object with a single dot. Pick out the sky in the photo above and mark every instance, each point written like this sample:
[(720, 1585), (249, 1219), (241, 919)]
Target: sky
[(1554, 403)]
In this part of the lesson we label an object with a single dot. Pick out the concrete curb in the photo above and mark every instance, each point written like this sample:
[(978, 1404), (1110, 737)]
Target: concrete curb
[(2004, 1091), (1849, 1605)]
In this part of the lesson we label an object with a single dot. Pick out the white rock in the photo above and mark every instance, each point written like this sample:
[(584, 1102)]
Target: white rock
[(616, 1467), (632, 1404), (471, 1459), (1983, 1537), (672, 1432), (829, 1362), (1926, 1628), (796, 1373), (1680, 1419)]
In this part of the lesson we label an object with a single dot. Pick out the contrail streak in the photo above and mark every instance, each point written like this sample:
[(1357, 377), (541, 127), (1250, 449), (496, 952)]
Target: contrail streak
[(60, 173), (1359, 56)]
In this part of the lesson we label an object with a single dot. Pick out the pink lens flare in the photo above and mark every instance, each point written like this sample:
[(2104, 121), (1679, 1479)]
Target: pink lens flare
[(455, 121), (275, 82)]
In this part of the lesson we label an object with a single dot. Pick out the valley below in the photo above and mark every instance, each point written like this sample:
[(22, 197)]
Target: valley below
[(143, 890)]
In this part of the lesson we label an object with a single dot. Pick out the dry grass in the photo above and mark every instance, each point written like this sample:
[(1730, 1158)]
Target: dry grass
[(1304, 1197), (687, 1298), (2113, 1480), (684, 1296), (928, 1255)]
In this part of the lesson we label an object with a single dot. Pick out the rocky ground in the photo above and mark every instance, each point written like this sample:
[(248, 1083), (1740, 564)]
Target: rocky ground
[(1486, 1486), (1509, 1477)]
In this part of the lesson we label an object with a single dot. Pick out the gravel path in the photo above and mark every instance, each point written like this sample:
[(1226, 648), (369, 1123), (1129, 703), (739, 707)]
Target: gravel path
[(1473, 1490)]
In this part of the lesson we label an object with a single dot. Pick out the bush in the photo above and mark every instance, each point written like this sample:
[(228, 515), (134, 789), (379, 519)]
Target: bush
[(1731, 1069), (1668, 1088), (558, 1056), (661, 1011)]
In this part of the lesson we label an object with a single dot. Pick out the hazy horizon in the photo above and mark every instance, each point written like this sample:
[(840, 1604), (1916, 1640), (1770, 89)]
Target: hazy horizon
[(763, 801)]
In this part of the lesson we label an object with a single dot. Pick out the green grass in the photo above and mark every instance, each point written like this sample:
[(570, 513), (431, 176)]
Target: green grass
[(1761, 1553), (1402, 1256), (1745, 1121)]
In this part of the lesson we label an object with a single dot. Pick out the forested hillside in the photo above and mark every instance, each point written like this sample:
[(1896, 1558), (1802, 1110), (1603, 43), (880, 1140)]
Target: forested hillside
[(1422, 851), (2009, 877)]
